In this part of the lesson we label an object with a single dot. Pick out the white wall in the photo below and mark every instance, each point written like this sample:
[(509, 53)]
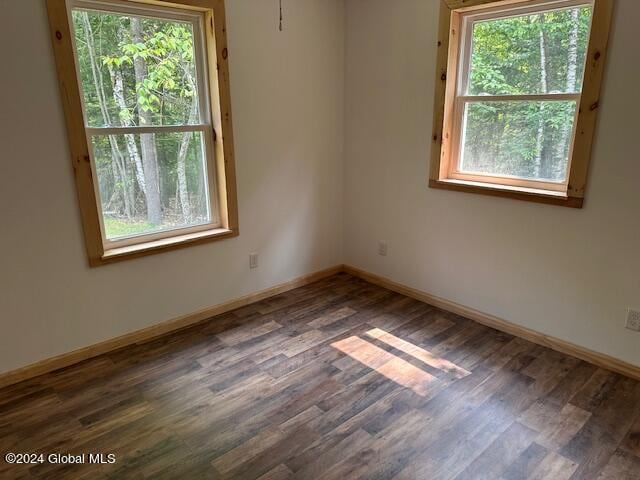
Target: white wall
[(568, 273), (287, 96)]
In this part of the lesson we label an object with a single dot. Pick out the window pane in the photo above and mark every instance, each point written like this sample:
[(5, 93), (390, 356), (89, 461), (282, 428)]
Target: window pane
[(135, 70), (164, 189), (529, 54), (527, 139)]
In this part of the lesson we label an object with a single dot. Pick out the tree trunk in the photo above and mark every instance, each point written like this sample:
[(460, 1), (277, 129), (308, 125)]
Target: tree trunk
[(572, 54), (540, 161), (147, 140), (132, 147), (570, 86), (116, 154), (183, 191)]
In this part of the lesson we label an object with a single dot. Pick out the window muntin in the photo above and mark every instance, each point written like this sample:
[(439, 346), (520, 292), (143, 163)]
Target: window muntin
[(147, 118), (513, 117)]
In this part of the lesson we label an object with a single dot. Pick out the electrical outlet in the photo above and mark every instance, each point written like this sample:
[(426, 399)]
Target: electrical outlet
[(633, 320), (382, 248), (253, 260)]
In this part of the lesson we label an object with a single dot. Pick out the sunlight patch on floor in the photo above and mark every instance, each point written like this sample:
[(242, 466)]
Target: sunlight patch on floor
[(418, 353), (387, 364)]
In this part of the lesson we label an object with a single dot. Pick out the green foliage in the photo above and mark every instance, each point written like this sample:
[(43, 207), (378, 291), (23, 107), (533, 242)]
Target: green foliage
[(506, 53), (528, 54), (168, 53), (165, 94)]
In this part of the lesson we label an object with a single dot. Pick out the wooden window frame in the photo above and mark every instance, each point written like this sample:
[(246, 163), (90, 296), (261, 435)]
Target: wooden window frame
[(443, 148), (222, 179)]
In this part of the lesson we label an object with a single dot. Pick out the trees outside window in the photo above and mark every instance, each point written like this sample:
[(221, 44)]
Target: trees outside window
[(145, 89), (516, 99), (140, 71), (539, 54)]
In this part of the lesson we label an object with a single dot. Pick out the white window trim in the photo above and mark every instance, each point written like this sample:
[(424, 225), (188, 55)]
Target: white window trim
[(468, 19), (196, 19)]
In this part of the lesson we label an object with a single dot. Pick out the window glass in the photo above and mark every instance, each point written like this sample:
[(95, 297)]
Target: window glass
[(138, 73), (525, 139), (136, 70), (530, 54), (138, 198)]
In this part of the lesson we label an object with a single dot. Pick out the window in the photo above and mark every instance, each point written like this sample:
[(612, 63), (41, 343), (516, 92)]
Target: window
[(516, 98), (145, 91)]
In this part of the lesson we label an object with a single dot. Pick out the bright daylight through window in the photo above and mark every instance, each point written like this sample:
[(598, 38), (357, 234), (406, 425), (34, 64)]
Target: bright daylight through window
[(537, 60), (145, 101), (514, 85)]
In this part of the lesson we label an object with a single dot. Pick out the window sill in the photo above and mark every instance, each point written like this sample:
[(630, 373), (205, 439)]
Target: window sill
[(549, 197), (164, 244)]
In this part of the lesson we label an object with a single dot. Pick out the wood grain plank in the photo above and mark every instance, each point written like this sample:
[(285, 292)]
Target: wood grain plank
[(263, 392)]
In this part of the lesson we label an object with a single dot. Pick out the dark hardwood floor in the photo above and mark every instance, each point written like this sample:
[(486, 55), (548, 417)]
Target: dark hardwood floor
[(336, 380)]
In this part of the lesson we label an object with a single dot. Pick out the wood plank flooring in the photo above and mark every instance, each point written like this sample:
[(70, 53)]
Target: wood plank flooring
[(336, 380)]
